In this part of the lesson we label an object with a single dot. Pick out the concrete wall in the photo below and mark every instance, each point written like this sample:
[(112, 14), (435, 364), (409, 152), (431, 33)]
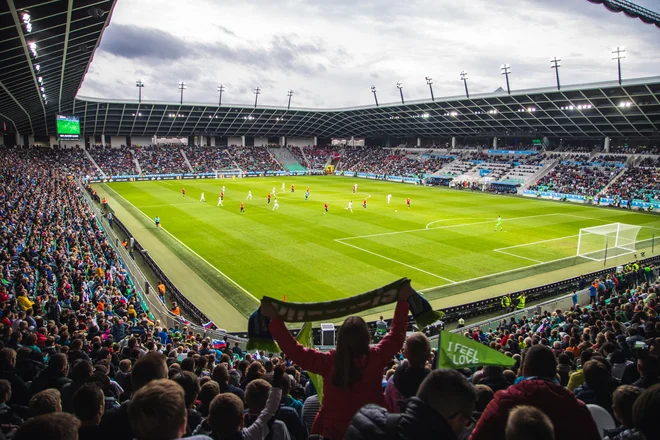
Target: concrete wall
[(260, 141), (300, 141), (235, 140), (71, 144), (141, 140), (117, 141)]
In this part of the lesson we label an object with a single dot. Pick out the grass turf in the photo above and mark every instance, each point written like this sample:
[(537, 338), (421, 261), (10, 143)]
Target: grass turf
[(446, 242)]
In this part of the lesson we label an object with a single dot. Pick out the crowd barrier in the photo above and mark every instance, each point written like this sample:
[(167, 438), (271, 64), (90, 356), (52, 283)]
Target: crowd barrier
[(186, 176), (603, 201)]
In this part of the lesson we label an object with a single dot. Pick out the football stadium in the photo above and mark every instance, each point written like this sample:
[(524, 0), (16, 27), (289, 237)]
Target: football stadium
[(190, 262)]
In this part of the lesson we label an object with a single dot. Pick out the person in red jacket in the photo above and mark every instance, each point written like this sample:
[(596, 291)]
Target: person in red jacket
[(353, 372), (570, 417)]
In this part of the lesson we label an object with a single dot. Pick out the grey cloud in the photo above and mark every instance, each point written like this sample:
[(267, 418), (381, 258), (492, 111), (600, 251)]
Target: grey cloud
[(226, 30), (142, 43)]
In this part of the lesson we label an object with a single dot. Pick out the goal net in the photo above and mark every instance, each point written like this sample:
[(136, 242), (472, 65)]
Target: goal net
[(607, 241), (227, 173)]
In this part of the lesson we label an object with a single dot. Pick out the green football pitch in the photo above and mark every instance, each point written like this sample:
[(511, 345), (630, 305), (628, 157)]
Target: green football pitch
[(65, 126), (446, 238)]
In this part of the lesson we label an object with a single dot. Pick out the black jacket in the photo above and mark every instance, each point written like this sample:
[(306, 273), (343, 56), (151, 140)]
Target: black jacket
[(496, 383), (418, 421), (48, 378), (19, 391)]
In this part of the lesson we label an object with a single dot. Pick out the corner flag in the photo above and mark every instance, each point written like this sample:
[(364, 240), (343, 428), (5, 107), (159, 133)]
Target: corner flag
[(457, 351)]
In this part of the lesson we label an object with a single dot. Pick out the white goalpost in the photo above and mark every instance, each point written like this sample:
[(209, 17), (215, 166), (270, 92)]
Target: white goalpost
[(612, 240)]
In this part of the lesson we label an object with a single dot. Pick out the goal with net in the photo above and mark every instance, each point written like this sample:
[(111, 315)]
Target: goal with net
[(606, 241)]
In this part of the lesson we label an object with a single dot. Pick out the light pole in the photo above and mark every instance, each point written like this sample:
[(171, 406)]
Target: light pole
[(373, 90), (289, 94), (506, 71), (429, 81), (464, 78), (139, 84), (555, 63), (221, 88), (182, 87), (257, 91), (399, 85), (617, 54)]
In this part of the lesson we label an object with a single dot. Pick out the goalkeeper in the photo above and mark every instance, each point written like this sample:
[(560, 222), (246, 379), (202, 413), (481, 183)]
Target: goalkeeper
[(499, 224)]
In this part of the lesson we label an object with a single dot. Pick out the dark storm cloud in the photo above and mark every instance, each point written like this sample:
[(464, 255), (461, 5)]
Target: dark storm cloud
[(133, 42), (281, 52)]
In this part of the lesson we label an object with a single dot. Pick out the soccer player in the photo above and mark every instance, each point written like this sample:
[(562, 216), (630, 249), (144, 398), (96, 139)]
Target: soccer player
[(223, 188), (408, 202), (350, 206), (293, 188), (283, 186), (389, 198), (269, 198), (183, 192), (325, 207), (220, 198), (202, 199), (364, 203), (354, 188), (249, 197), (242, 208), (499, 224), (276, 205), (306, 194), (157, 221), (274, 189)]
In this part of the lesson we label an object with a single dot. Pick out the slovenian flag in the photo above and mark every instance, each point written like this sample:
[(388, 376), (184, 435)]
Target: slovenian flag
[(209, 325), (219, 344)]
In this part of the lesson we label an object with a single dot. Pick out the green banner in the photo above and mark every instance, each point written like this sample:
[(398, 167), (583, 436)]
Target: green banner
[(456, 351), (306, 340)]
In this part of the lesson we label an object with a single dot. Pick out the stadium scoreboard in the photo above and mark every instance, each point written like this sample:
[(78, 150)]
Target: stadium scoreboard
[(68, 128)]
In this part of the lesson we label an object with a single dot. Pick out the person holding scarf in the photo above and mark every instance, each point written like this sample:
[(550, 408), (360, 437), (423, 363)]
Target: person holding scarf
[(352, 373)]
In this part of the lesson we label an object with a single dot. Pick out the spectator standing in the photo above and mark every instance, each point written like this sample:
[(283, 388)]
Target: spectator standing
[(406, 379), (623, 400), (55, 426), (352, 374), (571, 417), (88, 405), (527, 423)]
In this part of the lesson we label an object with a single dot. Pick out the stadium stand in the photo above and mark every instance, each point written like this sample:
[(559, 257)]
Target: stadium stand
[(114, 161), (161, 160), (209, 159)]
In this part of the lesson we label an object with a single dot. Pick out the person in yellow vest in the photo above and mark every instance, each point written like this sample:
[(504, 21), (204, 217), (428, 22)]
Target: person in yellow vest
[(24, 301), (521, 301), (175, 309), (506, 302), (461, 323)]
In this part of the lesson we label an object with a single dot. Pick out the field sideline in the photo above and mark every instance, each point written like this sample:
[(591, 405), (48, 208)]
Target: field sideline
[(444, 242)]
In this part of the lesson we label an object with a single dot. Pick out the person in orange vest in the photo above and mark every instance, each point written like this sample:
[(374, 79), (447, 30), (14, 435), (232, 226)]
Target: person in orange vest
[(161, 290), (175, 309)]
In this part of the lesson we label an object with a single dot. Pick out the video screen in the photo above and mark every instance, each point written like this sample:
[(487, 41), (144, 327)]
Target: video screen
[(68, 127)]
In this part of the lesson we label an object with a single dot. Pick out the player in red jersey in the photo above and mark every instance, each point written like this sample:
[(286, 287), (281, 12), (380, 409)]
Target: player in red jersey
[(325, 207), (242, 208), (269, 198), (293, 188), (183, 192), (364, 203), (408, 202)]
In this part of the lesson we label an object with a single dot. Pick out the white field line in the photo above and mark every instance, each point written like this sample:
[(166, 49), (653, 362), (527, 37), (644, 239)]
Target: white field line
[(518, 256), (441, 227), (459, 218), (536, 242), (191, 250), (397, 262)]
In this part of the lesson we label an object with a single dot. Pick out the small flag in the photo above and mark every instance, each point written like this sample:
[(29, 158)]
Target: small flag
[(457, 351), (219, 344), (305, 339), (256, 356), (284, 297), (183, 320), (209, 325)]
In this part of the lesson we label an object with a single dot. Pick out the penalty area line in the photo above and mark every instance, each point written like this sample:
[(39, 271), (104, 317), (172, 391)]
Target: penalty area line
[(191, 250), (396, 261)]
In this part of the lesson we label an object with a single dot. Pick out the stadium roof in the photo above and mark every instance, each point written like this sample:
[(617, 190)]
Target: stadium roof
[(51, 40), (67, 33), (587, 110)]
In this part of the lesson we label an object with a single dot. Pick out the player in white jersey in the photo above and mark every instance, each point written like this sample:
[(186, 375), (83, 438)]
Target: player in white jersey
[(202, 199), (249, 197), (283, 186), (273, 190), (389, 198), (276, 205), (350, 206), (223, 188), (220, 200)]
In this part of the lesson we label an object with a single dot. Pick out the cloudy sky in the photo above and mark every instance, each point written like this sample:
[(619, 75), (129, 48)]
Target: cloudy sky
[(331, 51)]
